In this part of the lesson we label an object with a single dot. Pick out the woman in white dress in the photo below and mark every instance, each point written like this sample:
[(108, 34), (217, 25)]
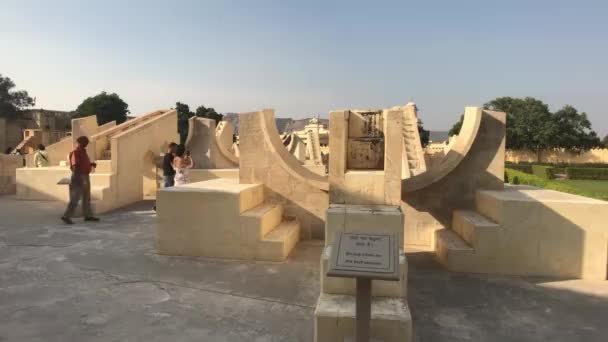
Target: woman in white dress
[(181, 164)]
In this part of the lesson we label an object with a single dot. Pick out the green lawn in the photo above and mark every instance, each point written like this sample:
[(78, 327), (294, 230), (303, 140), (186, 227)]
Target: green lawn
[(589, 185), (598, 187)]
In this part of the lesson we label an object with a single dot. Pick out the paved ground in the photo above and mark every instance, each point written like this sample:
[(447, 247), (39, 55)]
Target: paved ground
[(104, 282)]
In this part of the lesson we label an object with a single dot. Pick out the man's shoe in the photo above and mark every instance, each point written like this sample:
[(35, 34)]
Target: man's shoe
[(66, 220), (92, 219)]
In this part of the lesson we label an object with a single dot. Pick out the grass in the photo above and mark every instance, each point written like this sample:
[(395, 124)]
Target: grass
[(589, 188), (596, 186)]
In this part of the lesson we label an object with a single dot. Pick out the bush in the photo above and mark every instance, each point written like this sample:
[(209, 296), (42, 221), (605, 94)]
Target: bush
[(542, 171), (519, 177), (527, 168), (506, 178), (587, 173)]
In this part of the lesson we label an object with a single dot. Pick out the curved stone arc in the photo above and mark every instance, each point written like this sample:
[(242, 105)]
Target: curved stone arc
[(459, 149), (289, 162), (225, 128), (191, 131)]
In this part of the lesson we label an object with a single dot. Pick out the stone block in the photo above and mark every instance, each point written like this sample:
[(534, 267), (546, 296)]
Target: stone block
[(363, 219), (391, 320)]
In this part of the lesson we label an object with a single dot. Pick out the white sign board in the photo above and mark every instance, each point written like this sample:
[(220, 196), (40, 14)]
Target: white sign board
[(356, 255)]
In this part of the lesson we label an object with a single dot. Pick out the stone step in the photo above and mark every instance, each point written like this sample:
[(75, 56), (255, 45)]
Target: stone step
[(346, 286), (103, 166), (101, 179), (259, 221), (478, 231), (277, 244), (391, 320), (456, 255), (97, 193)]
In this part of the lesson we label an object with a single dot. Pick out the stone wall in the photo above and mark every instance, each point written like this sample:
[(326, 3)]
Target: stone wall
[(598, 155), (8, 167)]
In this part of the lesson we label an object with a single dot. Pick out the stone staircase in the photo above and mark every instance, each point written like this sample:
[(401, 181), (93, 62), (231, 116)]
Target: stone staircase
[(469, 245), (413, 156), (272, 236), (224, 219), (528, 231)]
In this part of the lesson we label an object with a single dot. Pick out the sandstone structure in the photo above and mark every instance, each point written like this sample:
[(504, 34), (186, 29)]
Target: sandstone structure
[(33, 127), (261, 215), (125, 154), (364, 193), (8, 168), (211, 146)]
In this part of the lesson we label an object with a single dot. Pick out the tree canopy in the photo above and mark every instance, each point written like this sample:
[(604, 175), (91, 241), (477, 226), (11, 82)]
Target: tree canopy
[(107, 108), (424, 134), (574, 130), (184, 113), (531, 125), (12, 101), (208, 113)]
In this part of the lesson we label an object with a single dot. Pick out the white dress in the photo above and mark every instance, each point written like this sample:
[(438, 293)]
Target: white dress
[(181, 173)]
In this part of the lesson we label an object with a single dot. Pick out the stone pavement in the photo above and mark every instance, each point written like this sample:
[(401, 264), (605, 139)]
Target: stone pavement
[(104, 282)]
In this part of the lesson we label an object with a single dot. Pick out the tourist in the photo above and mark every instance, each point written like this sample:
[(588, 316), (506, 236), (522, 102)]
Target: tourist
[(80, 183), (181, 163), (41, 157), (168, 171)]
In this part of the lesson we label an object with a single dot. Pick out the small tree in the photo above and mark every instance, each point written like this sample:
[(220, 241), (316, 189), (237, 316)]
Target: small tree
[(12, 101), (455, 130), (183, 114), (574, 131), (209, 113), (529, 123), (424, 134), (107, 107)]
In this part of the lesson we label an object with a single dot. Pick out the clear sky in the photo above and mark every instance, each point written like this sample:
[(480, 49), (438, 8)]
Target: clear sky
[(309, 57)]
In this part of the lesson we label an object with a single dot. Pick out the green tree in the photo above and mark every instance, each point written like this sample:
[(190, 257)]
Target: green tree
[(424, 134), (12, 101), (107, 108), (209, 113), (605, 141), (183, 114), (457, 126), (529, 123), (574, 131)]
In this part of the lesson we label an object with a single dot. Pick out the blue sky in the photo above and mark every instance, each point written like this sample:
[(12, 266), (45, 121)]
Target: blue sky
[(309, 57)]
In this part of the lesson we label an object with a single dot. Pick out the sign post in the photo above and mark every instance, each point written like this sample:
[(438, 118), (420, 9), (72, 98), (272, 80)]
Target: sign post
[(364, 257)]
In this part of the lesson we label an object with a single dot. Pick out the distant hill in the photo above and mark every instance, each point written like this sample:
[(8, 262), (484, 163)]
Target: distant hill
[(284, 125), (439, 136)]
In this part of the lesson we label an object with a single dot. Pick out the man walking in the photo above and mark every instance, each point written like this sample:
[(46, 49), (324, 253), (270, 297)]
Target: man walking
[(80, 184)]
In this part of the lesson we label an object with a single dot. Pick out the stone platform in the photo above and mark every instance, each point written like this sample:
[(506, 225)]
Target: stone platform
[(223, 219), (109, 284)]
